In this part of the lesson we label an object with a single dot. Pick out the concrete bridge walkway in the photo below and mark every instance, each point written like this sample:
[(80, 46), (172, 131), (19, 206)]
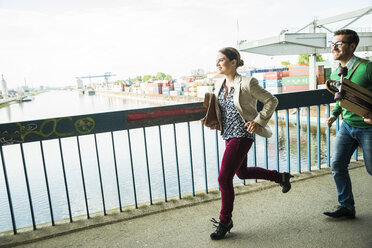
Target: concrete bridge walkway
[(262, 218)]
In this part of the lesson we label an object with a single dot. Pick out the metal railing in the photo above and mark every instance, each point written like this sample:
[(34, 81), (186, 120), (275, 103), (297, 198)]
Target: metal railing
[(114, 153)]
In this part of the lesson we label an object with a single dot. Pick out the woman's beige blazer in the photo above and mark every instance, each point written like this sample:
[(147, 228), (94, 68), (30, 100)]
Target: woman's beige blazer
[(247, 92)]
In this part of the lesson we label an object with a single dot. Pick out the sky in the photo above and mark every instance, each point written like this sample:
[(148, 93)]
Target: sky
[(51, 42)]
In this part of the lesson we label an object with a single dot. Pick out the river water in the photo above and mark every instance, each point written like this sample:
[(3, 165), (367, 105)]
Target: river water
[(67, 103)]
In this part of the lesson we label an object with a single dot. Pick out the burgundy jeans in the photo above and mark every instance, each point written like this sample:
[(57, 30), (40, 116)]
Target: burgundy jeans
[(234, 161)]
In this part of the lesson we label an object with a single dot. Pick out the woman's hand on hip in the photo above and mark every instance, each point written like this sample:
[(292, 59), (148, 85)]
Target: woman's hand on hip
[(252, 126)]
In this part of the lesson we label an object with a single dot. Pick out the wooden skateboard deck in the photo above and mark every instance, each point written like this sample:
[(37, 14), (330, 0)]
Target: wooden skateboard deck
[(354, 97)]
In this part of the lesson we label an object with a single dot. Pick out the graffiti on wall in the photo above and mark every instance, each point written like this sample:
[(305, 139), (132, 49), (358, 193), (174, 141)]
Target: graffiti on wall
[(61, 127)]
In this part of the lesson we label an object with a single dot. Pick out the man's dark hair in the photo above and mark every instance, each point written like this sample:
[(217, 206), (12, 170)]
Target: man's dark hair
[(351, 35)]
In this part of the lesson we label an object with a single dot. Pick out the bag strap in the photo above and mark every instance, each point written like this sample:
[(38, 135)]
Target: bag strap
[(361, 61)]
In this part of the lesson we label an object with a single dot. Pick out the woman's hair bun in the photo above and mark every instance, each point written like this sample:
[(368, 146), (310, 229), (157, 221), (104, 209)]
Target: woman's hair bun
[(241, 63)]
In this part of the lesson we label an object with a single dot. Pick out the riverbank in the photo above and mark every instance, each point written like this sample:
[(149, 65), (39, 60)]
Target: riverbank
[(6, 102), (3, 105)]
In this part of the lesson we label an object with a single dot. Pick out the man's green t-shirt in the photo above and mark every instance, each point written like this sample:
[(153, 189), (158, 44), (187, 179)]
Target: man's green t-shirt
[(363, 77)]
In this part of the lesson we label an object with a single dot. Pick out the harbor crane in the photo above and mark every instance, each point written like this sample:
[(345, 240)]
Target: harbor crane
[(80, 79)]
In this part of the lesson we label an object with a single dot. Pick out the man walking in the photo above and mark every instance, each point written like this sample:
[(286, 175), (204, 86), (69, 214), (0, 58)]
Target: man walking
[(355, 130)]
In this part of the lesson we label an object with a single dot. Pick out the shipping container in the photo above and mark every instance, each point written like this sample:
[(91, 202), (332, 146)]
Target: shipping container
[(295, 81), (179, 84), (193, 89), (273, 83), (263, 70), (165, 89), (320, 70), (174, 93), (285, 74), (270, 75), (299, 71), (320, 79), (294, 88)]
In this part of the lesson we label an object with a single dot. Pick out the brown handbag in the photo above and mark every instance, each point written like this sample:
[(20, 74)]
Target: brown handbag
[(210, 119)]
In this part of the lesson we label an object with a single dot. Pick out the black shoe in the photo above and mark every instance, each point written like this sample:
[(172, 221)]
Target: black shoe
[(286, 184), (340, 212), (221, 229)]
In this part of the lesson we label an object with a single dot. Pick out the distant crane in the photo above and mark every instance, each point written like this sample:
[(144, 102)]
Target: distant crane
[(80, 81)]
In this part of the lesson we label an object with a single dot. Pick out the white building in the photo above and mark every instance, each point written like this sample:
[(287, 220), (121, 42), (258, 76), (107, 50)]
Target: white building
[(4, 87)]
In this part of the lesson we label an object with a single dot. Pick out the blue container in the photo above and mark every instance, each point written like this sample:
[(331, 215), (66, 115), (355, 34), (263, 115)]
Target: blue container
[(273, 82), (268, 69)]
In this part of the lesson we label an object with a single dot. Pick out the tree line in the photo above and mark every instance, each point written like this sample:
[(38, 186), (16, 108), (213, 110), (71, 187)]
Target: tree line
[(304, 59)]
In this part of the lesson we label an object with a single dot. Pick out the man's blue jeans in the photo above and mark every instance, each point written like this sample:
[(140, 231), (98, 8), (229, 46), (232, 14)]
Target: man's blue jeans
[(347, 140)]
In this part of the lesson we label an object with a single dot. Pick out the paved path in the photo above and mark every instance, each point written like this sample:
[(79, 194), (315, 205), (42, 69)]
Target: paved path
[(265, 218)]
